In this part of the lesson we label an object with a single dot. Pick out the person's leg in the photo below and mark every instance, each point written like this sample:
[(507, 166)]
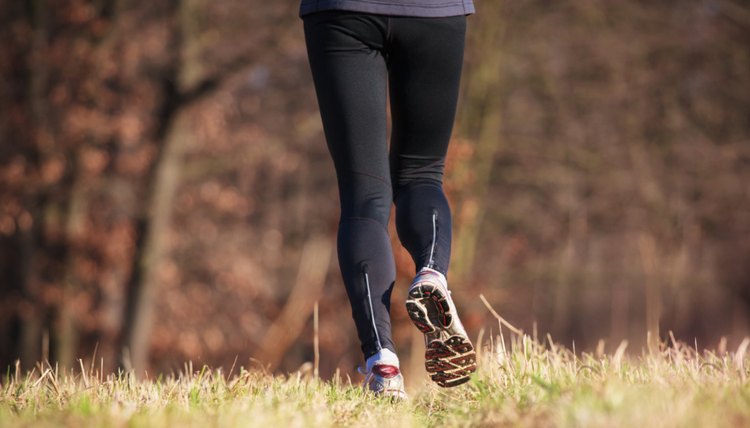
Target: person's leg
[(425, 68), (425, 59), (349, 71)]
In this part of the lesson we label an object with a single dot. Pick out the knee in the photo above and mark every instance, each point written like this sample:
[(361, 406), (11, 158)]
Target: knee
[(412, 171), (366, 197)]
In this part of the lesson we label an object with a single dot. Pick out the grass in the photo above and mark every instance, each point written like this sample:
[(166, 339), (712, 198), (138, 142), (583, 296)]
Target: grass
[(526, 384)]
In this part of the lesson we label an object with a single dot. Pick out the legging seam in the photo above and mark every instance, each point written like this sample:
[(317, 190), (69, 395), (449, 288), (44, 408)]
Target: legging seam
[(372, 311), (365, 219), (385, 181), (431, 261), (425, 167)]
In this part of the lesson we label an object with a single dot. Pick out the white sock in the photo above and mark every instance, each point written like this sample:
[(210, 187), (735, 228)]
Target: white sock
[(384, 356), (438, 273)]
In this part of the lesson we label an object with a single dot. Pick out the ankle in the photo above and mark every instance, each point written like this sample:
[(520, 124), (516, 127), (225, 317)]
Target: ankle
[(384, 356), (429, 271)]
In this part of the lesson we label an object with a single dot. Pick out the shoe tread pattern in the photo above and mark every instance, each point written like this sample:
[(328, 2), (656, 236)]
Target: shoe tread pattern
[(450, 357)]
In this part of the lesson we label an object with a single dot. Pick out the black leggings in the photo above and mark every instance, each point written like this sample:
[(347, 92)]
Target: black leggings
[(355, 58)]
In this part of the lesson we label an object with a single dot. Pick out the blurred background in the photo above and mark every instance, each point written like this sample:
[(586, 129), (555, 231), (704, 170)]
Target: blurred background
[(166, 194)]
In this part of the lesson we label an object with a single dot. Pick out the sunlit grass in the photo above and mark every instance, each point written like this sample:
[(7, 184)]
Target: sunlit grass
[(520, 383)]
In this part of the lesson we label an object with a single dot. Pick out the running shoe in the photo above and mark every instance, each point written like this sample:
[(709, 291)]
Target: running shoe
[(449, 355), (385, 380)]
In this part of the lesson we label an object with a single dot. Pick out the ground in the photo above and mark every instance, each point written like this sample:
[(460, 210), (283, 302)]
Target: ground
[(519, 383)]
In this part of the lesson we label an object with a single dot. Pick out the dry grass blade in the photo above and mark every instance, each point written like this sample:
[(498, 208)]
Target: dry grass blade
[(739, 356), (316, 342), (619, 352), (500, 319), (83, 373)]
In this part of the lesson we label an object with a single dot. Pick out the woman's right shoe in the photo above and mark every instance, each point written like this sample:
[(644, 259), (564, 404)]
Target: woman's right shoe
[(449, 355), (385, 380)]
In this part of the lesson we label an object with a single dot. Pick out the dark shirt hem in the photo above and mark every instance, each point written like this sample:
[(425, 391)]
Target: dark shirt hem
[(384, 7)]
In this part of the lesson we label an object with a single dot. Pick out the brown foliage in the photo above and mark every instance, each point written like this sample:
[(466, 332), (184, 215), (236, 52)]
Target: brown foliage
[(598, 178)]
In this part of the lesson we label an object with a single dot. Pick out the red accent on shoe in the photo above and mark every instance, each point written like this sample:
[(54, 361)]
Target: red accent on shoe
[(385, 370)]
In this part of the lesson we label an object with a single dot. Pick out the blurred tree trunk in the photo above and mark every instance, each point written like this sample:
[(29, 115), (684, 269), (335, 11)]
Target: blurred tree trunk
[(481, 124), (32, 319), (184, 85), (152, 245), (30, 316), (651, 283), (311, 275), (139, 319), (67, 333)]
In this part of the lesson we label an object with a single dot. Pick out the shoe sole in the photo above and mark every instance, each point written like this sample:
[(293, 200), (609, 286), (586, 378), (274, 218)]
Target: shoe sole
[(395, 395), (450, 362), (388, 391)]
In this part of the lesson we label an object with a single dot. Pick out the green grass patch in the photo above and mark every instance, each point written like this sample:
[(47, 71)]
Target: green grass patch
[(524, 384)]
